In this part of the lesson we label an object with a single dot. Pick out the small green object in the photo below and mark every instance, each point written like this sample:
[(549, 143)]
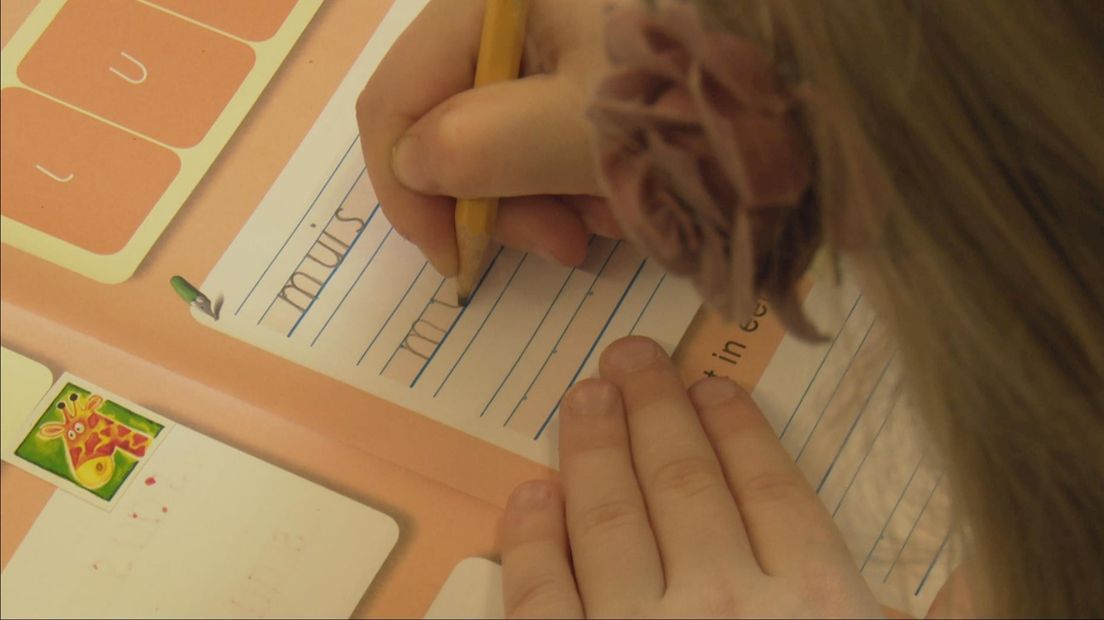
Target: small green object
[(186, 291), (195, 298)]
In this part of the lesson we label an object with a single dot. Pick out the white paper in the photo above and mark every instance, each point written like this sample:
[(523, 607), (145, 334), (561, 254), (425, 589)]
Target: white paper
[(25, 381), (839, 410), (29, 426), (318, 276), (840, 414), (207, 532), (472, 590), (498, 368)]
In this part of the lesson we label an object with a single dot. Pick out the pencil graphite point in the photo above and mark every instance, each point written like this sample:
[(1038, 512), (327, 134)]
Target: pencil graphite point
[(499, 59)]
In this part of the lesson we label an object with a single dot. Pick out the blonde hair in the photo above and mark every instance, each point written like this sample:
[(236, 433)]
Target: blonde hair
[(960, 154)]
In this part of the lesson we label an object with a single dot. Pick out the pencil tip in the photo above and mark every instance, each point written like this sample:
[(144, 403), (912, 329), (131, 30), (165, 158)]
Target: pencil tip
[(462, 300)]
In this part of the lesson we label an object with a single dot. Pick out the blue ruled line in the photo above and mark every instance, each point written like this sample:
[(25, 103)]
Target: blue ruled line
[(579, 306), (393, 311), (835, 390), (350, 289), (931, 565), (893, 512), (855, 476), (632, 330), (854, 425), (913, 528), (593, 346), (329, 276), (297, 225), (457, 319), (347, 250), (532, 336), (816, 373), (481, 325), (399, 348)]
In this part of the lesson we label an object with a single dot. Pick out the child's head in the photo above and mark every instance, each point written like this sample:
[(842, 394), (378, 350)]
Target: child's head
[(959, 166)]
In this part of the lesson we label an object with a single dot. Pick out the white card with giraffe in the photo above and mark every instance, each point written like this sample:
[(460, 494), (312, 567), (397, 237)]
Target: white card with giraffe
[(87, 442), (197, 528)]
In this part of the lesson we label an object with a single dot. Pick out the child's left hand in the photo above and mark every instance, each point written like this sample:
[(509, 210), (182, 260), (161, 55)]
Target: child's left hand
[(674, 503)]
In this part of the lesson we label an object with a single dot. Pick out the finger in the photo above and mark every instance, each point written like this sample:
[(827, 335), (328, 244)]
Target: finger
[(542, 225), (789, 528), (617, 564), (536, 571), (517, 138), (431, 61), (693, 513), (595, 213)]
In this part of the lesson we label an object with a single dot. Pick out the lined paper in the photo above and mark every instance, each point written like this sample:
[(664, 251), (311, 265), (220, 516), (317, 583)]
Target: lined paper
[(318, 276), (839, 409)]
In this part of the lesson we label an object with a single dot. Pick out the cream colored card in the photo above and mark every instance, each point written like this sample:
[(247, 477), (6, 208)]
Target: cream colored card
[(86, 441), (23, 382), (200, 531), (472, 590), (114, 111)]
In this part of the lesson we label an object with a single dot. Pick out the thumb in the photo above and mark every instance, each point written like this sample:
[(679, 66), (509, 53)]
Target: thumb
[(518, 138)]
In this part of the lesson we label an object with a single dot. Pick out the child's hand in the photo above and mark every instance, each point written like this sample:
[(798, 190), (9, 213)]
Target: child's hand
[(673, 504), (427, 134)]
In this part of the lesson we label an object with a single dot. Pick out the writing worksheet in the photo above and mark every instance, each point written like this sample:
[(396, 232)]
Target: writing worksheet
[(839, 410), (319, 276), (153, 519)]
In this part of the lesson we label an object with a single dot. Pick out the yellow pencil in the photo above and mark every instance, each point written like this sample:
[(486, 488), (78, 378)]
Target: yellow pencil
[(500, 46)]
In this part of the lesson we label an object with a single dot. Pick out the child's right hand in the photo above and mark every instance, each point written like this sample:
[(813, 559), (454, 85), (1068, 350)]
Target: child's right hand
[(428, 137)]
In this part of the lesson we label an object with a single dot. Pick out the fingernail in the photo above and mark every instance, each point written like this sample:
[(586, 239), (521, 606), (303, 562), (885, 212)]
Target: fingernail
[(632, 354), (406, 163), (713, 391), (564, 252), (593, 397), (559, 255), (531, 496), (447, 268), (545, 253)]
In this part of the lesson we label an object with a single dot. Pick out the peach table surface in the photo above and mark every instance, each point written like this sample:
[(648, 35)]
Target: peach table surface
[(136, 338)]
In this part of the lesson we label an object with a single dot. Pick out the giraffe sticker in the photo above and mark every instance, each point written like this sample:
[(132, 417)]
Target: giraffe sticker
[(93, 442)]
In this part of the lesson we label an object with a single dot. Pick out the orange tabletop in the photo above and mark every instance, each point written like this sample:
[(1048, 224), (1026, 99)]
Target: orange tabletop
[(444, 488)]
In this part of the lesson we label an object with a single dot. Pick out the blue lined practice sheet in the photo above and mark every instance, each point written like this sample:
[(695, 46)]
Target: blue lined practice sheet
[(840, 411), (318, 276)]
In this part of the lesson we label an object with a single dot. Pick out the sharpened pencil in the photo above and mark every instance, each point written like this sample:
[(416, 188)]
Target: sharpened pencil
[(500, 46)]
